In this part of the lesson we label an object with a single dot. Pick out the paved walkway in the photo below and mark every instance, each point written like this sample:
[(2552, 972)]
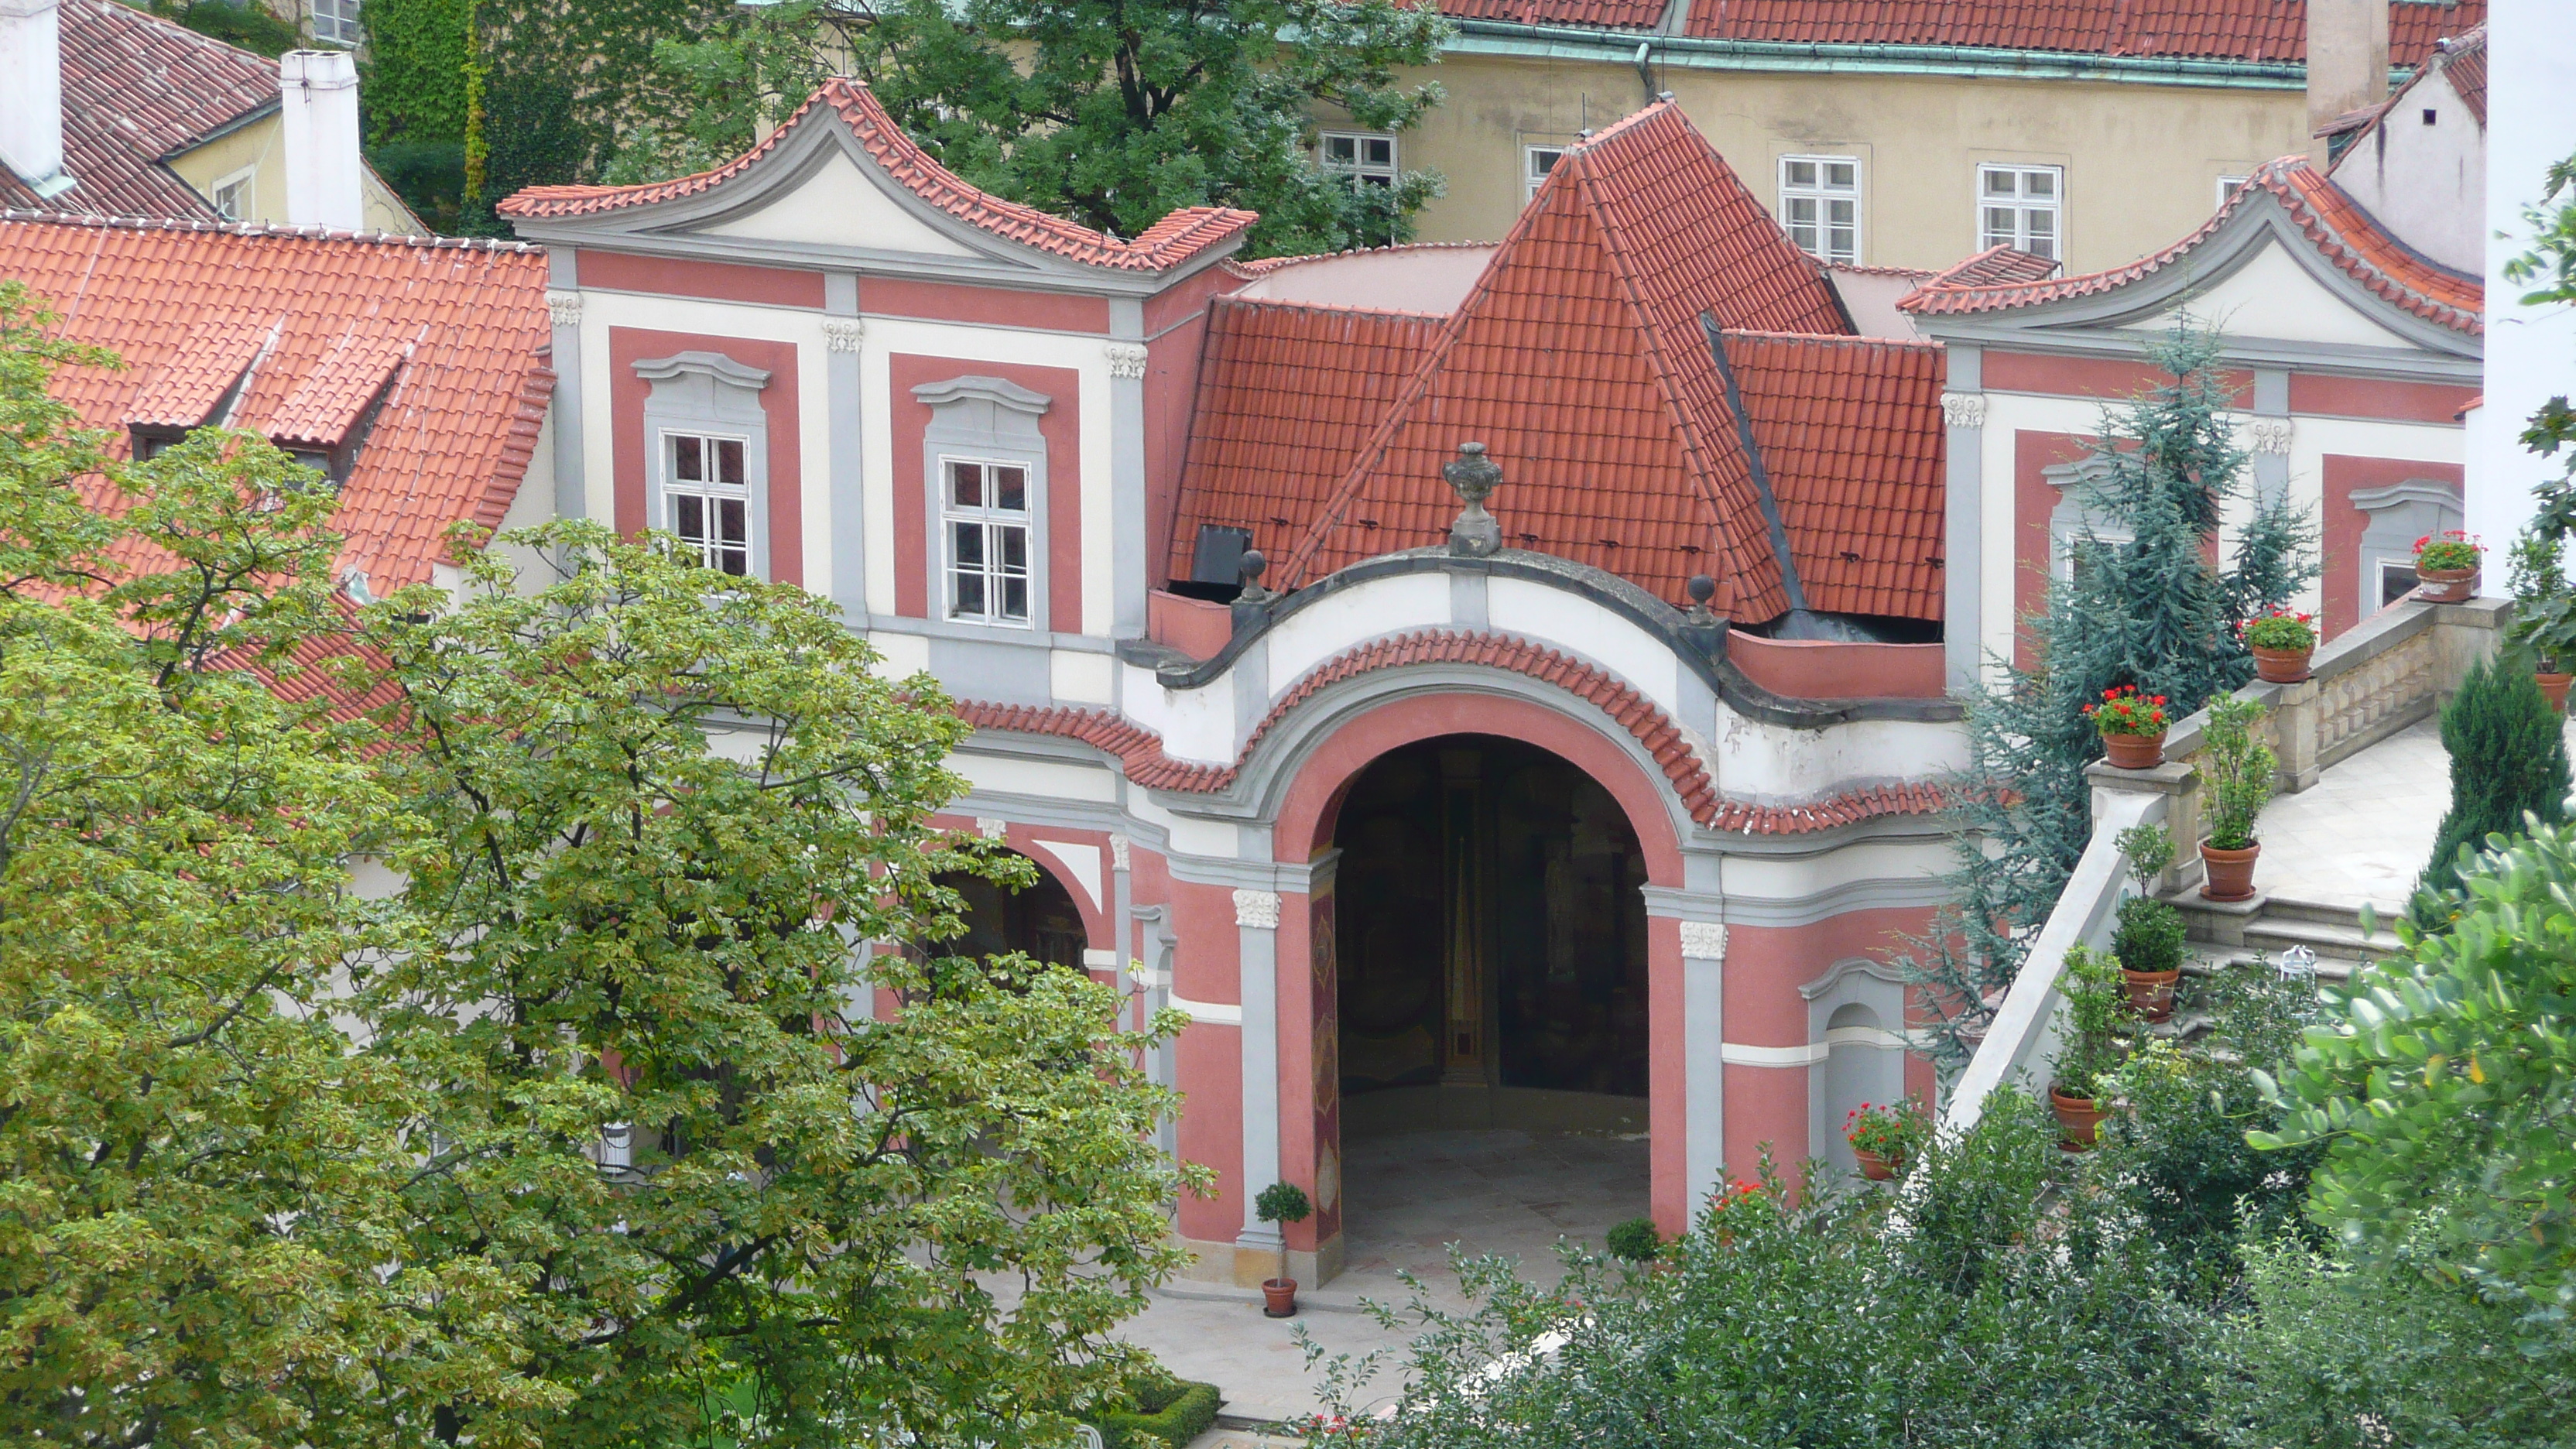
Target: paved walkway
[(2364, 831), (1408, 1196)]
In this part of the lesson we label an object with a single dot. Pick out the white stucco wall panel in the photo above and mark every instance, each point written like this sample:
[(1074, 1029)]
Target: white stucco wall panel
[(1196, 724), (1771, 764), (1371, 610), (1793, 878), (1552, 616), (1041, 779)]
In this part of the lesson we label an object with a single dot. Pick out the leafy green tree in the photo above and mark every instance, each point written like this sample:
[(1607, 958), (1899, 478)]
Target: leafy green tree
[(2147, 607), (661, 809), (2508, 761), (194, 1172), (1112, 112), (2443, 1085)]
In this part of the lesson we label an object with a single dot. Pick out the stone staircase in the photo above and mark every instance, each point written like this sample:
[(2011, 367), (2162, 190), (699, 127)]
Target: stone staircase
[(2226, 933)]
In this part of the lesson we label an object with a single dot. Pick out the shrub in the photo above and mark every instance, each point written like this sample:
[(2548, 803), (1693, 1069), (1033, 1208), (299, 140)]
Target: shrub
[(2238, 767), (2151, 935), (2508, 758), (1170, 1412), (1635, 1241), (2091, 987), (247, 26)]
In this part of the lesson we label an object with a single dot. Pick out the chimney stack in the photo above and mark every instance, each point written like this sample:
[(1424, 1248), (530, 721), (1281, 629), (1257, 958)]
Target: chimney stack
[(324, 178), (31, 94), (2347, 64)]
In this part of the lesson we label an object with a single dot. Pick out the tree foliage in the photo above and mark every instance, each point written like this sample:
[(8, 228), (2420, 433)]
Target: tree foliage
[(2143, 604), (2443, 1087), (660, 804), (2508, 754), (1112, 112)]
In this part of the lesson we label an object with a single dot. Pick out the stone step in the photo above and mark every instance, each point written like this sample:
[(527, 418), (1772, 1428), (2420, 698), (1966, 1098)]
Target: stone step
[(2324, 913), (2347, 943)]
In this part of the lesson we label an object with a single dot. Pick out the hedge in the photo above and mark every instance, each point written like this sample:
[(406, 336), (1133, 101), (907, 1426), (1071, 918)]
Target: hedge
[(1172, 1415)]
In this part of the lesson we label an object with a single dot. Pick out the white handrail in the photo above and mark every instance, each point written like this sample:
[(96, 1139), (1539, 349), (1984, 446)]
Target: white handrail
[(2022, 1039)]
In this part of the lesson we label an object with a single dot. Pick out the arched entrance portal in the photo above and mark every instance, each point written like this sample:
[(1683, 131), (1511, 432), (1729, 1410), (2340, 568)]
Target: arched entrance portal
[(1492, 982)]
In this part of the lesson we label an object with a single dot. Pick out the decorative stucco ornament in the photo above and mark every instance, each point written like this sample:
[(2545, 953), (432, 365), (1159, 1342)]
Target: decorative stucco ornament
[(1474, 477)]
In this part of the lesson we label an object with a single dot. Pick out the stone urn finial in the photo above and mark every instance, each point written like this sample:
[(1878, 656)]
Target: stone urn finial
[(1474, 477)]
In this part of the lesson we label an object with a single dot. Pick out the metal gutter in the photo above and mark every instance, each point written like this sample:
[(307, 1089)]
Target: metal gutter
[(1616, 47)]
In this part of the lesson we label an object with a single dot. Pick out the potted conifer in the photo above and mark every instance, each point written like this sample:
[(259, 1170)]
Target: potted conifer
[(2236, 771), (2281, 642), (2544, 611), (1282, 1203), (2446, 564), (2150, 939), (2089, 1050), (2132, 726)]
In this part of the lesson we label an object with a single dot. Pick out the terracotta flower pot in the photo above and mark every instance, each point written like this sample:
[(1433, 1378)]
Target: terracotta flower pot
[(2079, 1118), (2281, 666), (1279, 1297), (2134, 752), (2446, 586), (1873, 1166), (2230, 872), (2555, 687), (2151, 993)]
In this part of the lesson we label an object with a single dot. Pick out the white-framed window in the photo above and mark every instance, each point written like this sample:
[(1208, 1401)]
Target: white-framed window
[(706, 498), (1820, 206), (1367, 156), (1536, 162), (2228, 186), (986, 503), (233, 194), (2022, 207), (335, 22)]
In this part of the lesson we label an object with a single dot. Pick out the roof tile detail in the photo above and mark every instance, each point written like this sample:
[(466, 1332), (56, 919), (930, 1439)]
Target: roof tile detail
[(1581, 361), (2346, 235), (460, 329), (2239, 30), (1167, 243), (1993, 265), (137, 88), (1590, 14), (1140, 751)]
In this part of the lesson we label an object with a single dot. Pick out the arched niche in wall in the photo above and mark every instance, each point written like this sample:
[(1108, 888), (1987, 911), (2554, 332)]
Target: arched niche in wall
[(2399, 514), (1856, 1037)]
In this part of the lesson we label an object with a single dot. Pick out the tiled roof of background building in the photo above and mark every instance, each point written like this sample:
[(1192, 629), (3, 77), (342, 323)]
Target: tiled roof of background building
[(1601, 14), (137, 88), (1582, 361), (437, 350), (1993, 265), (1169, 242), (2348, 236), (2242, 30), (2465, 65), (1286, 396)]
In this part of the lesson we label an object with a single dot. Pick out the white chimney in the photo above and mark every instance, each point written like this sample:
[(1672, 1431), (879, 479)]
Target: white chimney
[(324, 178), (2347, 63), (31, 93)]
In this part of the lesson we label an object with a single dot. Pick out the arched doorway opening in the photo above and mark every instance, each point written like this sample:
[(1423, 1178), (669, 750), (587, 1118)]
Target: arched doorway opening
[(1491, 950), (1039, 920)]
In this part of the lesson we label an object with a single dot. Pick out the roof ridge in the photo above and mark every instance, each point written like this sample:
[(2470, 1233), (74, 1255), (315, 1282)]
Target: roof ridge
[(1291, 304), (1833, 339), (259, 229)]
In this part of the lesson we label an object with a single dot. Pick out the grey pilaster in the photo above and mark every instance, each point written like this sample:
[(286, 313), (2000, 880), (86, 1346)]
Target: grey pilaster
[(563, 307), (1963, 413), (1704, 1066), (1130, 554), (846, 481), (1256, 920), (2271, 434)]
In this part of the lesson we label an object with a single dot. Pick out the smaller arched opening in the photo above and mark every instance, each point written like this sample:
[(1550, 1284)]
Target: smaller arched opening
[(1038, 920), (1856, 1013)]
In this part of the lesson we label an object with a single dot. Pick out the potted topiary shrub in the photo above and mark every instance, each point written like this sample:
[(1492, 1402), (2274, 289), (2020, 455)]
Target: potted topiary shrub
[(1282, 1203), (2150, 939), (2544, 611), (2447, 566), (2281, 642), (1634, 1241), (2132, 726), (2089, 1049), (1882, 1138), (2236, 771)]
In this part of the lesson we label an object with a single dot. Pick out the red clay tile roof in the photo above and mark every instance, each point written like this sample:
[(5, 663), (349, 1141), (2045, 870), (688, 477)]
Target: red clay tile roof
[(2243, 30), (1140, 751), (1590, 14), (1286, 395), (1851, 437), (137, 88), (452, 335), (1167, 243), (2348, 236), (1995, 264), (1581, 360), (2464, 64)]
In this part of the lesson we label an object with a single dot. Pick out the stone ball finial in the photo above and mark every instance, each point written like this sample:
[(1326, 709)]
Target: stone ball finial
[(1701, 589), (1250, 571)]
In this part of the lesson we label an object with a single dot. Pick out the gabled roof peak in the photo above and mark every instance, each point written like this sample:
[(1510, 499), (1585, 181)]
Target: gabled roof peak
[(849, 103)]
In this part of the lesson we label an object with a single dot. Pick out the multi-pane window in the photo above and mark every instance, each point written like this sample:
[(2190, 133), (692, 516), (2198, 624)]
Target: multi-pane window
[(1536, 162), (987, 507), (335, 22), (707, 494), (1820, 206), (1367, 156), (233, 195), (2022, 207)]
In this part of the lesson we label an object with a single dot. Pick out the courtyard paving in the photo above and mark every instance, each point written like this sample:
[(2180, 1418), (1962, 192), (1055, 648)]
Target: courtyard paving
[(1407, 1196)]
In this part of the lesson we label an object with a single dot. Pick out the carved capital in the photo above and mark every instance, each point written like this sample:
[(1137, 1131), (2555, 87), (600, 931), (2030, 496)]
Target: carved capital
[(1126, 359), (1118, 847), (564, 308), (842, 334), (1963, 409), (1704, 940), (2271, 435), (991, 827), (1257, 909)]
